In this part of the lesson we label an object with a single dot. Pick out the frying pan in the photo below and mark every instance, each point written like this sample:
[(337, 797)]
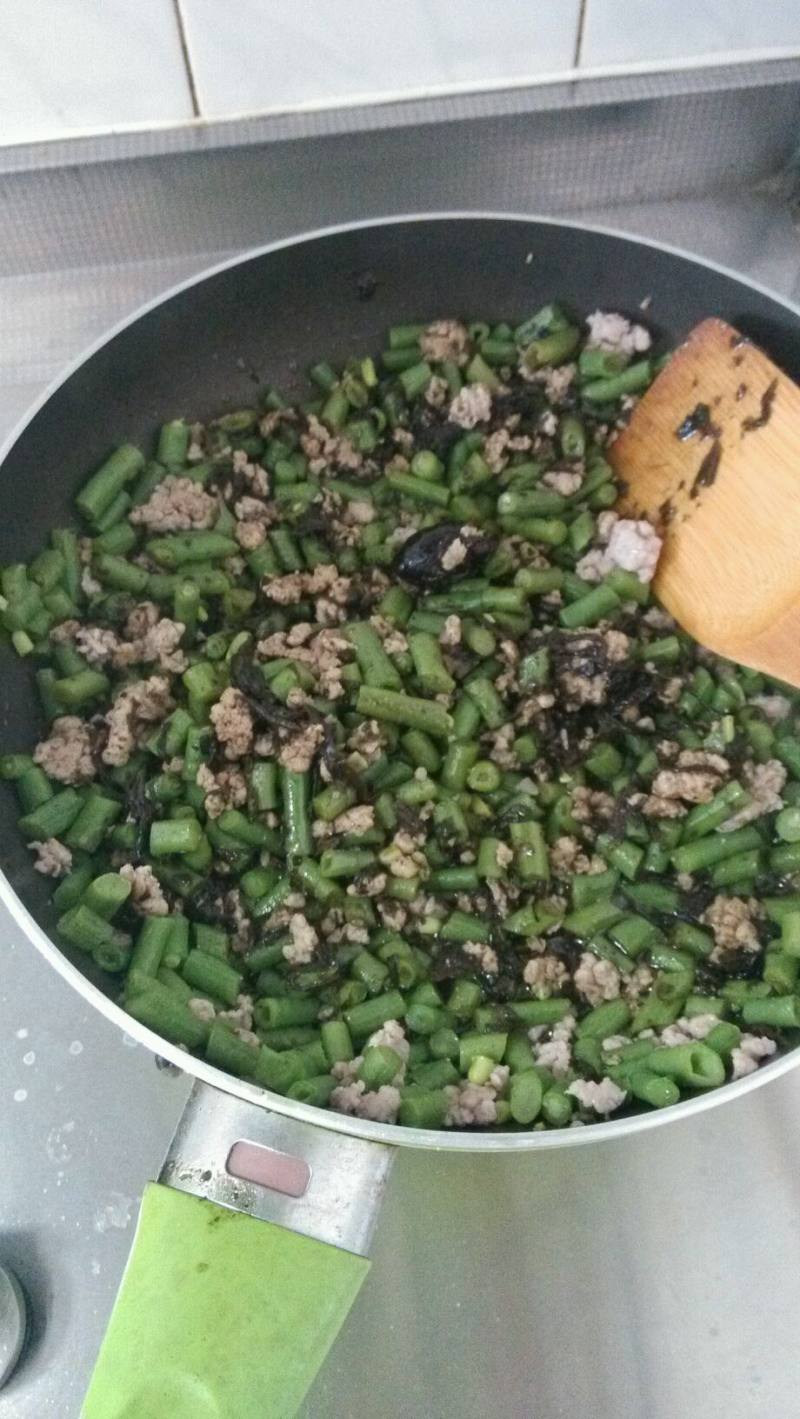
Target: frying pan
[(252, 1247)]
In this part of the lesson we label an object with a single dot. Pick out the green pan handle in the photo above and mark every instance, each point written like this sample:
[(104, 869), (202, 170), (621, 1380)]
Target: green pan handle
[(220, 1315), (235, 1290)]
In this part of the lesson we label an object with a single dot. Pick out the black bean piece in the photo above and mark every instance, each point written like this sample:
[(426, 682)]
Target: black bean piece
[(419, 560)]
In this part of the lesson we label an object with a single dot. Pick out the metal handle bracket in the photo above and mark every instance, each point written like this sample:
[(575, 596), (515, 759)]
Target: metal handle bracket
[(322, 1184)]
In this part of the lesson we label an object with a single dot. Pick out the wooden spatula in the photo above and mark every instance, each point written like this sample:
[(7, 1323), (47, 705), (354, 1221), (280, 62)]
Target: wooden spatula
[(712, 456)]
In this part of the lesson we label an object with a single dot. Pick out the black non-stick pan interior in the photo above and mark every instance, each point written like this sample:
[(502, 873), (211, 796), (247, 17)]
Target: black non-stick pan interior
[(264, 320)]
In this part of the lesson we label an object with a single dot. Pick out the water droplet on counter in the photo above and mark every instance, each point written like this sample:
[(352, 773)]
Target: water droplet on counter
[(116, 1213), (20, 1095), (29, 1058), (57, 1143), (76, 1047)]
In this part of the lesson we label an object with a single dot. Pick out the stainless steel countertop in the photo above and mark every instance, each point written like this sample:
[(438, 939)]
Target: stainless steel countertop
[(654, 1278)]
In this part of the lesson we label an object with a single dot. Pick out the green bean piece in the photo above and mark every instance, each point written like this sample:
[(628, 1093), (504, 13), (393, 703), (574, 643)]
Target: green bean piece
[(45, 679), (172, 981), (598, 916), (33, 787), (376, 667), (163, 1012), (628, 586), (182, 835), (434, 1074), (114, 513), (380, 1065), (211, 975), (71, 888), (418, 489), (488, 1046), (106, 894), (653, 896), (181, 548), (279, 1071), (708, 851), (109, 481), (723, 1038), (484, 695), (430, 669), (74, 691), (557, 1107), (460, 926), (227, 1051), (776, 1012), (552, 349), (367, 1017), (293, 1037), (186, 608), (412, 713), (150, 946), (688, 937), (173, 444), (278, 1012), (53, 817), (525, 1096), (82, 927), (176, 948), (628, 381), (88, 829), (422, 1108), (336, 1041), (422, 751), (296, 792), (595, 606), (694, 1066), (264, 785), (464, 999), (657, 1090), (332, 801), (211, 939), (316, 1090), (610, 1018)]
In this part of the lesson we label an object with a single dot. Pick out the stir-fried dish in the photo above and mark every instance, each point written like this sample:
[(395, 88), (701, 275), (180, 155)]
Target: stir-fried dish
[(373, 772)]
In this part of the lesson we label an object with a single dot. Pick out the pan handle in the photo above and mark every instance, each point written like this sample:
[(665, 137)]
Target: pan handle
[(248, 1255)]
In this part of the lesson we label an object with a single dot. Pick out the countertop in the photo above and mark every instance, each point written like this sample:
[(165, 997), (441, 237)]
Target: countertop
[(646, 1279)]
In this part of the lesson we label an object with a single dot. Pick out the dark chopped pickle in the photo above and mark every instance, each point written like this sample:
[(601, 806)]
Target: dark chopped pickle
[(141, 810), (758, 421), (268, 711)]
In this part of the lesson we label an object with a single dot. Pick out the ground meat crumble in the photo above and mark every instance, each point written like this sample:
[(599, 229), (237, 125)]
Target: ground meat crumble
[(132, 713), (176, 505), (67, 754), (53, 859), (147, 896), (733, 922)]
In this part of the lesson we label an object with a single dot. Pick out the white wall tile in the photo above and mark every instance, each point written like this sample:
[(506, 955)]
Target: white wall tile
[(272, 54), (625, 31), (71, 65)]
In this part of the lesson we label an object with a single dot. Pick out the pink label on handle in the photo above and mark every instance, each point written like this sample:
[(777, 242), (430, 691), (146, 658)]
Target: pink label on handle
[(254, 1163)]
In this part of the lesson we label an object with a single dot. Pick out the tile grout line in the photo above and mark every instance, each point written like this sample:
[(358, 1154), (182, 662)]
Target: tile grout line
[(187, 62), (576, 58)]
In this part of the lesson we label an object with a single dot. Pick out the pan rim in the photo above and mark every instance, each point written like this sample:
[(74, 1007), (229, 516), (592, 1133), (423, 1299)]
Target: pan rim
[(445, 1140)]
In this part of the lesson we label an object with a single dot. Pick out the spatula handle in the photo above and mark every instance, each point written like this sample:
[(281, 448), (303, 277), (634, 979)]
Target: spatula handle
[(219, 1316), (248, 1255)]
